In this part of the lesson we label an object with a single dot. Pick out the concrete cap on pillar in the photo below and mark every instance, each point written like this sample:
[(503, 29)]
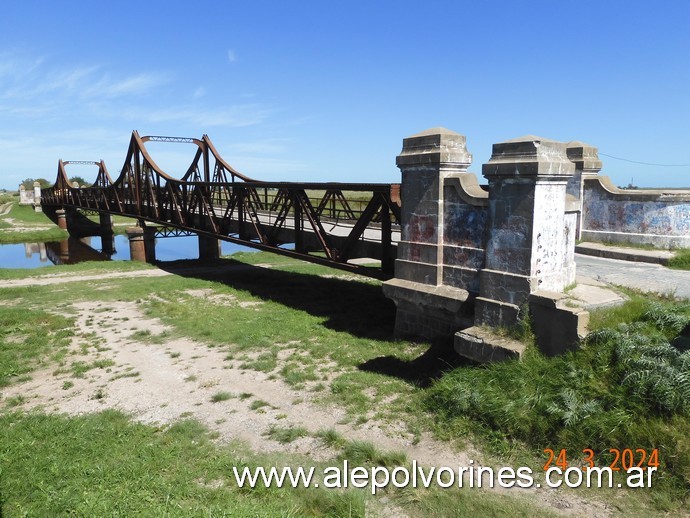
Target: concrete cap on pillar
[(529, 156), (435, 146), (584, 156)]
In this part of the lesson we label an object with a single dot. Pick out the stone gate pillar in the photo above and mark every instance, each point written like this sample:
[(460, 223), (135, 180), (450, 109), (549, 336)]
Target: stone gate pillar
[(426, 307), (527, 246), (587, 165), (37, 197)]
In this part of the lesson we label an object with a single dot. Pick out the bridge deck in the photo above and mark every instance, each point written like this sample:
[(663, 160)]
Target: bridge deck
[(330, 223)]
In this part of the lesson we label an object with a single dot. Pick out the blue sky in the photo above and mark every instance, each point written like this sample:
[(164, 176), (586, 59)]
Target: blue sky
[(326, 91)]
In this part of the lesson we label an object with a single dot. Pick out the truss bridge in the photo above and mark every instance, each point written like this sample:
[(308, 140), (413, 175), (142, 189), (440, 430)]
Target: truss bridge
[(352, 226)]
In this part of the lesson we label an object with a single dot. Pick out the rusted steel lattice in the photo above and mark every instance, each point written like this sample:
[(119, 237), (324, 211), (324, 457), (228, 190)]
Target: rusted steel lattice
[(329, 223)]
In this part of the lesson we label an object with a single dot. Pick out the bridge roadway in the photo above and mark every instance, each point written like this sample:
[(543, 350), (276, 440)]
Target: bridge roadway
[(644, 277), (333, 227)]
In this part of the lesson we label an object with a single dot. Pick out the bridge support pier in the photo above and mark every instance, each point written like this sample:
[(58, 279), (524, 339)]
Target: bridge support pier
[(61, 218), (530, 252), (108, 244), (107, 234), (472, 258), (105, 220), (425, 305), (209, 248), (142, 244)]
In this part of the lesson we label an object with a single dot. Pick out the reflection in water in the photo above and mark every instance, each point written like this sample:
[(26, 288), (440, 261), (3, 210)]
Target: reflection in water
[(73, 250)]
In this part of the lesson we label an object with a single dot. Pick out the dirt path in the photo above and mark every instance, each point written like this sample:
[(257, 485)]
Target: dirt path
[(165, 382)]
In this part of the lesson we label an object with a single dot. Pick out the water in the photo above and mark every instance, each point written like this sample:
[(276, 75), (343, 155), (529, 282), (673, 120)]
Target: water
[(72, 250)]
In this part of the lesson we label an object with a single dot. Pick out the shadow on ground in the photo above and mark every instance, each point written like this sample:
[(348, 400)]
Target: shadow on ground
[(349, 306), (422, 371), (357, 308)]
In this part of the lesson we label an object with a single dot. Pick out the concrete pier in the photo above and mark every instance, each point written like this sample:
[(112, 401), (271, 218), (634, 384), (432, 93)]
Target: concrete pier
[(61, 218), (209, 248), (142, 244)]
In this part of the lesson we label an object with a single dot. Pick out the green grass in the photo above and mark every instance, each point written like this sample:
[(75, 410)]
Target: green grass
[(220, 396), (33, 236), (364, 453), (285, 435), (681, 260), (331, 438), (85, 268), (30, 339), (105, 465), (311, 328), (628, 387)]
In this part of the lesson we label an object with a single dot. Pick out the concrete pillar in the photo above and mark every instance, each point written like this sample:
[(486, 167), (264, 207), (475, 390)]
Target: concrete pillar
[(526, 249), (425, 306), (64, 251), (587, 165), (209, 248), (142, 244), (37, 197), (105, 220), (108, 244), (61, 218), (426, 159)]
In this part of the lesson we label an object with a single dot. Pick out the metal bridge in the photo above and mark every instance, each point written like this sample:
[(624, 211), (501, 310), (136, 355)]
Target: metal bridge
[(326, 223)]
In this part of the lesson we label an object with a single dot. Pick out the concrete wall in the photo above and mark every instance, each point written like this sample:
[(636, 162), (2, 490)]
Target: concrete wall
[(464, 235), (26, 197), (659, 217)]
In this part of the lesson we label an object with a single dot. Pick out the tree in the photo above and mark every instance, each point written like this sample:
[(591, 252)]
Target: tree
[(80, 181), (29, 183)]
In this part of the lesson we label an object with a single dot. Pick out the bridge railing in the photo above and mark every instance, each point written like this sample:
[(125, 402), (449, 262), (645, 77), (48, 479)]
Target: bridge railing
[(333, 219)]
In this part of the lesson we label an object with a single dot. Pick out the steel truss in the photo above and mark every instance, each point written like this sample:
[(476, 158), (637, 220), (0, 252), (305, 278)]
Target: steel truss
[(214, 199)]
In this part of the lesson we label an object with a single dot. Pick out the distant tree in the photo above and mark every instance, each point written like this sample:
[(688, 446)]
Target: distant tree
[(29, 183), (80, 181)]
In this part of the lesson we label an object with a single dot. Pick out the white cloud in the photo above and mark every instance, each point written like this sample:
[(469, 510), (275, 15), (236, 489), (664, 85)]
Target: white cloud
[(135, 85), (199, 93), (231, 117), (232, 57)]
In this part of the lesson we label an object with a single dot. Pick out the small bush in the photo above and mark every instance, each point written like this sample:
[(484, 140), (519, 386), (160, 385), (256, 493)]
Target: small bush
[(220, 396)]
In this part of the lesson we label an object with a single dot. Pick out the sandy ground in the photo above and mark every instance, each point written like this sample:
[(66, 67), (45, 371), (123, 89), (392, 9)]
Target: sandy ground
[(162, 383)]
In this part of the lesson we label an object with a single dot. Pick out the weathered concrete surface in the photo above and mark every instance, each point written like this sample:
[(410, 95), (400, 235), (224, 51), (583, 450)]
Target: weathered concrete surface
[(483, 345), (659, 217), (431, 300), (142, 244), (625, 254), (428, 311), (527, 247), (557, 327), (426, 159), (209, 248), (644, 277)]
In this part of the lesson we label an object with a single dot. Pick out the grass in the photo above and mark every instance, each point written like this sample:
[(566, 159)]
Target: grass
[(30, 339), (220, 396), (49, 469), (628, 387), (681, 260), (311, 328), (364, 453), (285, 435), (85, 268)]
